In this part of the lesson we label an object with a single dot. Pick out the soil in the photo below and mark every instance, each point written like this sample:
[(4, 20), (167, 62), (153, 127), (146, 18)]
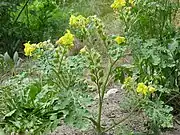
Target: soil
[(112, 112)]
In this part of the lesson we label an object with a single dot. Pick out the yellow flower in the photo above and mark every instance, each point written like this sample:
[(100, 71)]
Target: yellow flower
[(118, 4), (83, 50), (119, 39), (131, 2), (152, 89), (66, 40), (142, 88), (40, 45), (78, 21), (29, 48), (128, 83), (128, 80)]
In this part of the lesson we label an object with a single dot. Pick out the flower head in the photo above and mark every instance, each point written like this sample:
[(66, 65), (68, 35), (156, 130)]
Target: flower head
[(118, 4), (83, 50), (142, 88), (78, 21), (128, 83), (128, 80), (119, 39), (66, 40), (29, 48), (151, 89)]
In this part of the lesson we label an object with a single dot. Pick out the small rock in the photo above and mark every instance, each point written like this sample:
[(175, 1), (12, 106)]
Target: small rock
[(111, 92)]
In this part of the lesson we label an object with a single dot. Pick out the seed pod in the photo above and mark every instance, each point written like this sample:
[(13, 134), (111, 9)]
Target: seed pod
[(100, 83), (93, 78), (98, 60), (101, 73), (55, 60), (92, 71)]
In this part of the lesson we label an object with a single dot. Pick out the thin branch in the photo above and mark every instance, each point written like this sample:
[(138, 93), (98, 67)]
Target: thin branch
[(21, 11), (172, 98), (122, 119)]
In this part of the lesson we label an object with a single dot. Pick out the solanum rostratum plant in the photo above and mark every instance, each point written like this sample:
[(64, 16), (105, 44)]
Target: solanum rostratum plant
[(100, 68)]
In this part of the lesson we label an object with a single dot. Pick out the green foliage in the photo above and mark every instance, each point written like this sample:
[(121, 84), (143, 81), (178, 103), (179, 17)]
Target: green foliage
[(8, 64), (154, 41), (11, 33), (34, 21), (154, 44), (158, 62), (159, 113), (37, 105), (44, 19), (39, 20), (59, 91), (54, 87), (100, 47), (151, 19)]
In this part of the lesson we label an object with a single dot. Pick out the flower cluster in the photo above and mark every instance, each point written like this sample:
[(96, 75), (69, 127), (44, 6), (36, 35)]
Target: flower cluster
[(128, 83), (151, 89), (127, 80), (119, 40), (121, 3), (66, 40), (95, 22), (143, 89), (29, 48), (118, 4), (78, 21)]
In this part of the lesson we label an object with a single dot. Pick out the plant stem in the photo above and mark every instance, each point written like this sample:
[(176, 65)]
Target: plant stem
[(21, 11), (100, 108), (101, 97), (99, 117)]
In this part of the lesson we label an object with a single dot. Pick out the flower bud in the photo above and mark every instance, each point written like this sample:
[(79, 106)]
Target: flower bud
[(101, 73), (93, 78)]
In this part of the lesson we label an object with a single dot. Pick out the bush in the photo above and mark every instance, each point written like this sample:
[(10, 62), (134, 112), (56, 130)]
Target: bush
[(34, 21), (154, 43)]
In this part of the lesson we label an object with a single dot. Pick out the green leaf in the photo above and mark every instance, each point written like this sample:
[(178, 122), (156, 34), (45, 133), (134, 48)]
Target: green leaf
[(1, 132), (10, 113), (156, 60), (15, 57), (7, 58), (173, 46), (34, 90), (17, 124), (53, 117)]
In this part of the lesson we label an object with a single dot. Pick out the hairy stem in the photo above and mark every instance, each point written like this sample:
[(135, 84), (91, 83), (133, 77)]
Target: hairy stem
[(102, 97)]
